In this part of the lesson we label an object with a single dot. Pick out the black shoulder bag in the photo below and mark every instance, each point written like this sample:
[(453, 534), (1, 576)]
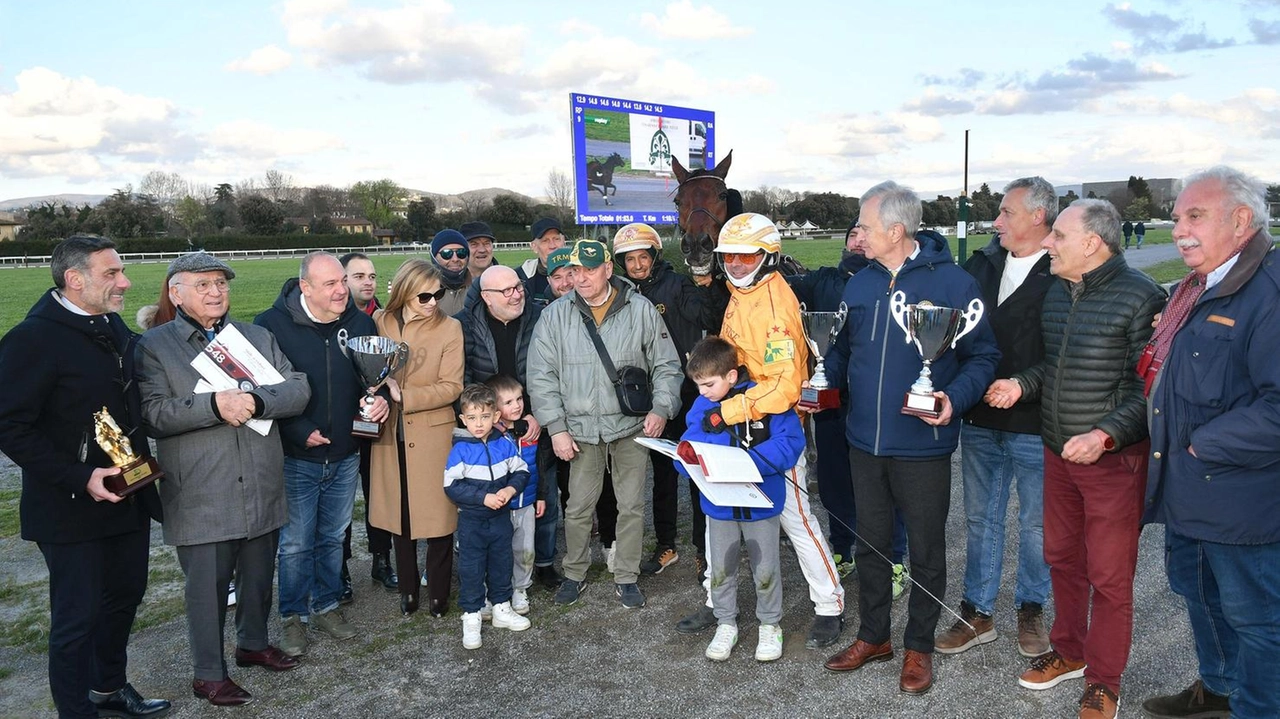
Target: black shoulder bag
[(635, 392)]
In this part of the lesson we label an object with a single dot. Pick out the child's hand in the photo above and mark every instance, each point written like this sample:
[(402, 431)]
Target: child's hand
[(494, 501), (539, 508), (507, 493)]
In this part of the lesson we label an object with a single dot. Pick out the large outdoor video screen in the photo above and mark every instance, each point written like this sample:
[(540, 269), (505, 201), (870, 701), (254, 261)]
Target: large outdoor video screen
[(622, 152)]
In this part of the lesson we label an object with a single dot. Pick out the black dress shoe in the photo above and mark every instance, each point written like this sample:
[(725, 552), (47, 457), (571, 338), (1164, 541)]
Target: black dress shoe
[(347, 595), (127, 702), (270, 658), (824, 632), (408, 604), (548, 577), (437, 608), (384, 573), (225, 693)]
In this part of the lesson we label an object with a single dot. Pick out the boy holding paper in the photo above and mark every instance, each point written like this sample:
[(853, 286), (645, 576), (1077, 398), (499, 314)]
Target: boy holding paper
[(774, 443)]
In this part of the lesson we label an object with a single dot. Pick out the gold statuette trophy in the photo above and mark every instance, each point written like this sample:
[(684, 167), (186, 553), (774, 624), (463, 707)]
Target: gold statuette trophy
[(135, 472)]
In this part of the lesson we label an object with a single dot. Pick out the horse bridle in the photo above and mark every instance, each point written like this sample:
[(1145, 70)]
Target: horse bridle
[(723, 195)]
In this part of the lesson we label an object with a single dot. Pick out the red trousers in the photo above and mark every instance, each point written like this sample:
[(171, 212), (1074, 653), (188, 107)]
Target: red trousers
[(1092, 518)]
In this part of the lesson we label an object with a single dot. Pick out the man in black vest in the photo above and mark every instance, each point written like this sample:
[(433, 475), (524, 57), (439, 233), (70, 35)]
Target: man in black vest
[(1000, 445)]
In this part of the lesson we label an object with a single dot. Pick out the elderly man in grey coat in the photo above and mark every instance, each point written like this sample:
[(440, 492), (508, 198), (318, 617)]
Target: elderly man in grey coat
[(573, 397), (223, 493)]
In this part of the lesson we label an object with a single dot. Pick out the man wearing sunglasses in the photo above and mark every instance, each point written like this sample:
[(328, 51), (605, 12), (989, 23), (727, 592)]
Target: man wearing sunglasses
[(449, 252), (496, 332)]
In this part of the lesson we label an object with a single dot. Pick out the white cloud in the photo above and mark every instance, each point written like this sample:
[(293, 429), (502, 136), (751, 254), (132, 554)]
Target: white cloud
[(257, 139), (863, 135), (265, 60), (1255, 113), (683, 21)]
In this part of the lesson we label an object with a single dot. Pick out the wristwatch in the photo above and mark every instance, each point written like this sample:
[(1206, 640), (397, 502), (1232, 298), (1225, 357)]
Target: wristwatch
[(1108, 444)]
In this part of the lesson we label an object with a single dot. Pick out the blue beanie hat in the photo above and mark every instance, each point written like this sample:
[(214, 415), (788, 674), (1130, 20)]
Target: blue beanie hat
[(444, 238)]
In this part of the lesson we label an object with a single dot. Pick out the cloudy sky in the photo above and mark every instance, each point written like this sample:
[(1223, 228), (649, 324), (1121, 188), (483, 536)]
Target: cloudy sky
[(446, 97)]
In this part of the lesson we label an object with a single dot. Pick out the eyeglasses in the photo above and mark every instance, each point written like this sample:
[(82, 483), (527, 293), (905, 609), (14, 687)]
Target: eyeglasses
[(448, 253), (741, 256), (507, 292), (203, 287), (425, 297)]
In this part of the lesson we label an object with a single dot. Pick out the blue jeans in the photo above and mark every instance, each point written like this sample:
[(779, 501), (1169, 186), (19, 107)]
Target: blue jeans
[(320, 496), (990, 460), (1233, 597), (484, 560), (546, 526)]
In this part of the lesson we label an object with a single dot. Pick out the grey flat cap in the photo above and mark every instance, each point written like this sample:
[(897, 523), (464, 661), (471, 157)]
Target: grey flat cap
[(199, 262)]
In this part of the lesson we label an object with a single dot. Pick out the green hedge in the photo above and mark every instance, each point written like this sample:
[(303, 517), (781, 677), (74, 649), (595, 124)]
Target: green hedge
[(213, 243)]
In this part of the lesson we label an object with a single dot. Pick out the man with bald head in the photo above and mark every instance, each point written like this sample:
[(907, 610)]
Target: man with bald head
[(496, 333), (310, 318), (1215, 433)]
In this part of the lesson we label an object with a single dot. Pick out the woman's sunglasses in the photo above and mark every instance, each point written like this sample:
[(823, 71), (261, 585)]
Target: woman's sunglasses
[(449, 252), (425, 297)]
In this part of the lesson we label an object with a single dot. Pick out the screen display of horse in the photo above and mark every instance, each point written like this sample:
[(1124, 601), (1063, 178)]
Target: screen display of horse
[(622, 157)]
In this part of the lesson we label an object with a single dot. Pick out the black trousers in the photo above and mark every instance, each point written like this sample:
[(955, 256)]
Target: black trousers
[(94, 591), (921, 489), (379, 539)]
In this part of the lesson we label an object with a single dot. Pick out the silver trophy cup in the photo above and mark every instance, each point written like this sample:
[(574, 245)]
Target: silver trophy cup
[(820, 329), (933, 330), (373, 358)]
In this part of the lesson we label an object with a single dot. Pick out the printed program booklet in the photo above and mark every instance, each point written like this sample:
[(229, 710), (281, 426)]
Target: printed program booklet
[(726, 476)]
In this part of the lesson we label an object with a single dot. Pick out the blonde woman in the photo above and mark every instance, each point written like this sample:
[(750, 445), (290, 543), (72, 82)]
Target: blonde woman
[(406, 493)]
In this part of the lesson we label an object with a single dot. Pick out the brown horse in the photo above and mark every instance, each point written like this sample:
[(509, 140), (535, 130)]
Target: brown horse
[(704, 203), (600, 174)]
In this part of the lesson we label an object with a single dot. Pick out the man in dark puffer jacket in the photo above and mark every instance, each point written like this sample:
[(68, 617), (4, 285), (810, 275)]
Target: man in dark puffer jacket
[(1096, 322)]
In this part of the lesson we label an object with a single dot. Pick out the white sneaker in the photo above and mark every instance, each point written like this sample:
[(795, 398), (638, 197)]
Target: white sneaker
[(504, 617), (770, 647), (520, 601), (609, 552), (486, 612), (471, 630), (231, 594), (722, 643), (423, 581)]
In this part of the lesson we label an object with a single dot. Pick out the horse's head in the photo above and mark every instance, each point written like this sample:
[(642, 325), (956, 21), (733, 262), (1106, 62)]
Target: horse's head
[(702, 199)]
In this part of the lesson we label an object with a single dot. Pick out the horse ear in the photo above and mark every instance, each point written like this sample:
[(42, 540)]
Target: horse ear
[(733, 203), (681, 173), (722, 168)]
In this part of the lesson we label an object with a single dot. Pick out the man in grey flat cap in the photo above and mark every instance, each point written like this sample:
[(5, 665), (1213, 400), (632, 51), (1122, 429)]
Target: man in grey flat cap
[(224, 490)]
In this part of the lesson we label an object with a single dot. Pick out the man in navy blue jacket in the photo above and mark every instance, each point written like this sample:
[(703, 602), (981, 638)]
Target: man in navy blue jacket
[(310, 318), (1215, 439), (900, 460)]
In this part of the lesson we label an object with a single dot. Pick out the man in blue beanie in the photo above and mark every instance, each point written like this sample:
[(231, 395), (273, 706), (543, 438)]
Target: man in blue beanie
[(449, 252)]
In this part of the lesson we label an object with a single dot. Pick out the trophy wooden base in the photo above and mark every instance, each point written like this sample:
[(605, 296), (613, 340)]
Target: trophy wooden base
[(134, 476), (817, 400), (922, 405), (366, 429)]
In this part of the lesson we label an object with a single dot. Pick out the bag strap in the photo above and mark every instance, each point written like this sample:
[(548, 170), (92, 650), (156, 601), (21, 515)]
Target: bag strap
[(600, 349)]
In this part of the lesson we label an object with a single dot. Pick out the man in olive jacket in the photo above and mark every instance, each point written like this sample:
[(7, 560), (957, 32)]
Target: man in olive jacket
[(574, 399), (1096, 322), (223, 492)]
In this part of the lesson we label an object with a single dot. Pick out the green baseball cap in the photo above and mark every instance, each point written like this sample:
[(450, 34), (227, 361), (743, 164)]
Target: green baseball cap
[(590, 254)]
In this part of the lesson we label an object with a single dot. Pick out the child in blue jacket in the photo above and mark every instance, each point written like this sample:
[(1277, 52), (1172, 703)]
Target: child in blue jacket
[(483, 472), (774, 443)]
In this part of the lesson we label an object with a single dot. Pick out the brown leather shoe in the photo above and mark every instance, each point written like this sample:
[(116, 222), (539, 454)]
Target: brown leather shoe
[(1099, 702), (917, 672), (859, 653), (270, 658), (225, 693), (1033, 637), (973, 628)]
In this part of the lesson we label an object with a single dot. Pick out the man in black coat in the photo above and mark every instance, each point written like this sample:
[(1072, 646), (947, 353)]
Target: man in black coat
[(495, 334), (73, 356), (1001, 445)]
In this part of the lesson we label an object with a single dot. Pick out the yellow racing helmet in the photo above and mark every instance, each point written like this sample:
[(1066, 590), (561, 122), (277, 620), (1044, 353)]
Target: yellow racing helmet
[(636, 236), (749, 233)]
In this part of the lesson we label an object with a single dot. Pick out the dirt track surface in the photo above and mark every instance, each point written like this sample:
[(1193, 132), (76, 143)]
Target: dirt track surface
[(598, 659)]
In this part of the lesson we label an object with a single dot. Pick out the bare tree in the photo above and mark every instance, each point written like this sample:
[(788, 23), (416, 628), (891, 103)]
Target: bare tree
[(474, 204), (166, 188), (247, 187), (279, 187), (560, 192)]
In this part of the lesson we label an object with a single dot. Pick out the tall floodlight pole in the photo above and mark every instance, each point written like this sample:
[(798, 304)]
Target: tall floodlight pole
[(962, 223)]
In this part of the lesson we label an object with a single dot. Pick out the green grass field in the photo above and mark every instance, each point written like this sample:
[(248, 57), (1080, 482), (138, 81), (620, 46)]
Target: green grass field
[(258, 282)]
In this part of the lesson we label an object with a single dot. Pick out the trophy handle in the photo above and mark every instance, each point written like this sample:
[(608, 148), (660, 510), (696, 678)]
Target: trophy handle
[(971, 316), (898, 308), (342, 342), (842, 313), (401, 358)]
